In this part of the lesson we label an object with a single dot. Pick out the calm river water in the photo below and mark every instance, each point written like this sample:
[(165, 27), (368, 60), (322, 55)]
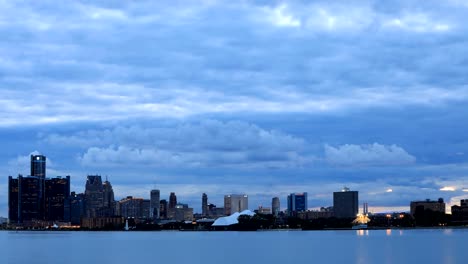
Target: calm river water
[(374, 246)]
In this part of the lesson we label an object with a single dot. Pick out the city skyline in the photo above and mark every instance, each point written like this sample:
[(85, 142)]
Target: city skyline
[(261, 98)]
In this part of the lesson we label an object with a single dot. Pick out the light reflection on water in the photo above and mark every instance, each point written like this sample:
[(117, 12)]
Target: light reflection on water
[(347, 246)]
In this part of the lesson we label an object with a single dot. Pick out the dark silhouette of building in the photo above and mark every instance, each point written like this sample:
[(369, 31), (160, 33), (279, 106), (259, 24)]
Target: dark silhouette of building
[(13, 201), (94, 195), (275, 206), (108, 209), (204, 205), (172, 200), (38, 166), (74, 208), (154, 204), (435, 206), (30, 199), (163, 209), (346, 203), (297, 202), (57, 190), (460, 212), (35, 200)]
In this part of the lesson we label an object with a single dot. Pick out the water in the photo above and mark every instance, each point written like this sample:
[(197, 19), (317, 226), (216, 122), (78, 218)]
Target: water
[(374, 246)]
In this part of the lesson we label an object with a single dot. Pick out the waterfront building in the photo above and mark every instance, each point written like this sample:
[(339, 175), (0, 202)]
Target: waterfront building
[(435, 206), (13, 193), (94, 195), (297, 202), (214, 211), (154, 204), (275, 206), (204, 205), (57, 191), (108, 208), (316, 214), (235, 203), (460, 212), (74, 208), (30, 199), (346, 203), (134, 207), (181, 212)]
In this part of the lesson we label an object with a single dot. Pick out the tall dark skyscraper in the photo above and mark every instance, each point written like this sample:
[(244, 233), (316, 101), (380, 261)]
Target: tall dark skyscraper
[(204, 204), (297, 202), (163, 209), (30, 199), (94, 195), (154, 204), (346, 203), (74, 208), (34, 199), (57, 190), (13, 193), (38, 166), (172, 200)]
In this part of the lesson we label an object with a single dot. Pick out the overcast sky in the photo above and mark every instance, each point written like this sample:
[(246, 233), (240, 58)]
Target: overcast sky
[(258, 97)]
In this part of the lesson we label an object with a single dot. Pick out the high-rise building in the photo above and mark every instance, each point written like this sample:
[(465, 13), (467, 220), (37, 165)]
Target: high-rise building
[(235, 203), (275, 206), (34, 199), (30, 199), (172, 200), (38, 166), (163, 209), (297, 202), (346, 203), (74, 208), (154, 204), (57, 191), (204, 205), (13, 195), (94, 195), (108, 209)]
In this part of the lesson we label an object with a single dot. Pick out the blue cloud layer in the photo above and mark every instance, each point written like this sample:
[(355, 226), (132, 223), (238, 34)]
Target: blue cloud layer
[(262, 97)]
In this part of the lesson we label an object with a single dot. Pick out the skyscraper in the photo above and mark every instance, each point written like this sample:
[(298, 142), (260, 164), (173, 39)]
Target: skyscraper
[(38, 166), (163, 209), (154, 204), (94, 195), (108, 208), (235, 203), (13, 191), (297, 202), (34, 199), (204, 204), (275, 206), (57, 190), (172, 201), (30, 199), (346, 203)]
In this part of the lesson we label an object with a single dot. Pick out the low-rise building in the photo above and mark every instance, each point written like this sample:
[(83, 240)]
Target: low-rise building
[(436, 206)]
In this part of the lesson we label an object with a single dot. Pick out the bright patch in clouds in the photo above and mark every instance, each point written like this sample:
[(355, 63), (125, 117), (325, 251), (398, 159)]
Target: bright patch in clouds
[(367, 155)]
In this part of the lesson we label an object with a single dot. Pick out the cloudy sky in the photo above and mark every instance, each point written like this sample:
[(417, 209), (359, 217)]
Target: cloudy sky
[(256, 97)]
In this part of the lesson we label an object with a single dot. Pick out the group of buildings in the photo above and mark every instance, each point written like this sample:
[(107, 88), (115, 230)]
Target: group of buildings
[(37, 200)]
